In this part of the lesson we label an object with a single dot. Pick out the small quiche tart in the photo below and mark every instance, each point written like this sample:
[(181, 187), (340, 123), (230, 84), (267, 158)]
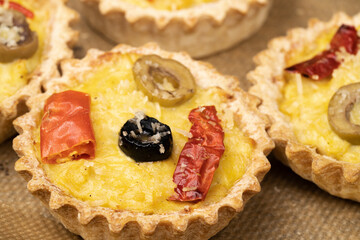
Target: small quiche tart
[(308, 81), (199, 27), (142, 163), (34, 36)]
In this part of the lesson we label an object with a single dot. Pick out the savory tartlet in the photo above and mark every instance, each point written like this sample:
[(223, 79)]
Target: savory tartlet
[(34, 36), (115, 192), (199, 27), (308, 83)]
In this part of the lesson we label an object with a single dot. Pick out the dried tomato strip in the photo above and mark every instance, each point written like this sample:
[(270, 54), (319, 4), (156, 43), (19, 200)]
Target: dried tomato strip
[(66, 131), (346, 37), (18, 7), (319, 67), (200, 156), (323, 64)]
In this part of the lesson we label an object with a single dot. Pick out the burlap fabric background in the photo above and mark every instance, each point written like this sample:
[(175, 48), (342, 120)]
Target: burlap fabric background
[(287, 208)]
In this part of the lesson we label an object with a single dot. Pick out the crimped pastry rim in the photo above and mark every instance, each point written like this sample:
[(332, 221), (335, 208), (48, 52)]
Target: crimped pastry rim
[(57, 47), (216, 11), (339, 178), (252, 122)]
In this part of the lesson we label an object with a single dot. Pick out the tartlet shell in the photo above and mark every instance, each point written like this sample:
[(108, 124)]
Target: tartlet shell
[(57, 47), (105, 223), (340, 179), (200, 30)]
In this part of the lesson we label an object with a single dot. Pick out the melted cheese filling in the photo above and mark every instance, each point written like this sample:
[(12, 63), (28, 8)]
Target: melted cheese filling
[(170, 5), (114, 180), (14, 75), (305, 102)]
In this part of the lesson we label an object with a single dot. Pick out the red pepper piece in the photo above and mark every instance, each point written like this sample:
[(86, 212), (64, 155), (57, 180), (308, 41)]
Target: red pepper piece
[(19, 8), (346, 37), (200, 156), (323, 64), (66, 131), (319, 67)]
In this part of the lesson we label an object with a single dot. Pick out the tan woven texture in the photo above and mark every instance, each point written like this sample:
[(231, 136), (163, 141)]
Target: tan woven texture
[(288, 206)]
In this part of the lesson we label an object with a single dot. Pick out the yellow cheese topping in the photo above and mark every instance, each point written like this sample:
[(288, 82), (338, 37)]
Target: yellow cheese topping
[(14, 75), (168, 4), (305, 102), (114, 180)]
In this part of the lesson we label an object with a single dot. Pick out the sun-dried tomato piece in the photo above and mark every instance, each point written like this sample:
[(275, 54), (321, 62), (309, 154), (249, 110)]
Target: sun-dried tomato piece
[(346, 37), (18, 7), (66, 131), (200, 156), (319, 67), (323, 64)]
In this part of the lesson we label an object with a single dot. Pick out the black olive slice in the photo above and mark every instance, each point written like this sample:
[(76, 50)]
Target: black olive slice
[(145, 139), (340, 106), (26, 46)]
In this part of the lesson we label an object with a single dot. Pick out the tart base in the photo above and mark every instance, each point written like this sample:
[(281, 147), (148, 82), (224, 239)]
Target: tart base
[(199, 35), (57, 47), (340, 179), (94, 222)]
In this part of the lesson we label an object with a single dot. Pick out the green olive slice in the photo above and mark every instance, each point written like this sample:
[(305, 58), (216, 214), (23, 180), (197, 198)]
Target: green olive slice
[(340, 106), (163, 80), (24, 48)]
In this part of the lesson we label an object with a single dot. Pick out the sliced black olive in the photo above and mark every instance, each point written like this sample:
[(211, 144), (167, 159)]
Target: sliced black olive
[(26, 45), (340, 106), (164, 80), (145, 139)]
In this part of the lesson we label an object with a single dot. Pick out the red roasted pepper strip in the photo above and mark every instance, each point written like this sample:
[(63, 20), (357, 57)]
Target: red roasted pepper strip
[(19, 8), (66, 131), (200, 156), (323, 64)]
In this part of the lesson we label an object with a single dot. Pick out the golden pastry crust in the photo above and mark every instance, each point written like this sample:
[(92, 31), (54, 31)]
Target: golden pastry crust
[(341, 179), (57, 47), (105, 223), (200, 30)]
